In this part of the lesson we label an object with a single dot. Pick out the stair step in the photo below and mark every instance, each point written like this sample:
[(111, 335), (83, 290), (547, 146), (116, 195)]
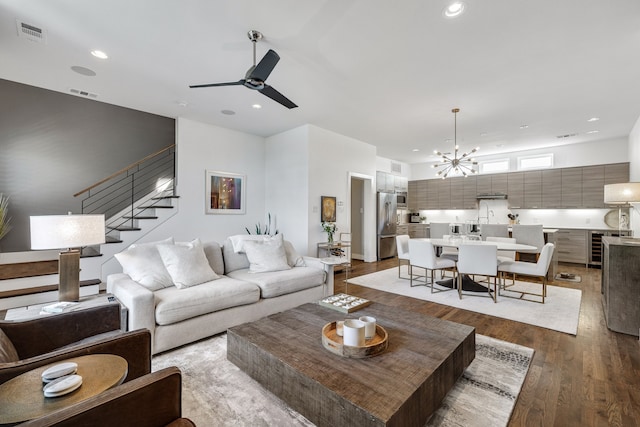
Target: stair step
[(155, 207), (90, 252), (165, 197), (45, 288), (111, 239), (124, 228), (140, 217)]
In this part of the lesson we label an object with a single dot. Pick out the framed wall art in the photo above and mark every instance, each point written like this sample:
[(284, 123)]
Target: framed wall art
[(225, 193), (328, 212)]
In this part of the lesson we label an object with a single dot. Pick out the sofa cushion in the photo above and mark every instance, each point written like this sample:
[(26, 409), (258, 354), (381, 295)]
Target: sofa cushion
[(233, 260), (293, 259), (213, 252), (187, 264), (266, 255), (174, 305), (276, 283), (8, 352), (142, 262)]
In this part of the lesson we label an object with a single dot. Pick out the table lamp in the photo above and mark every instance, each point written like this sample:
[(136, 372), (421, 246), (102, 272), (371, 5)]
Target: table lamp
[(68, 232), (621, 194)]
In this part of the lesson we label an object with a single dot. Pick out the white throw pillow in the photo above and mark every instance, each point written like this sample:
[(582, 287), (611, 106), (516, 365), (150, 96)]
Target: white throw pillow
[(143, 264), (293, 259), (266, 255), (187, 263), (238, 240)]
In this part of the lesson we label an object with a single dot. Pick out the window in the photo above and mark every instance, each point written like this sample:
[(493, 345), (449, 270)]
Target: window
[(541, 161), (493, 166)]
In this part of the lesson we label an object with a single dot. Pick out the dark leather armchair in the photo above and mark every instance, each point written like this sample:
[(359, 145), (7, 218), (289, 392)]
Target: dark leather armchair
[(149, 401), (50, 339)]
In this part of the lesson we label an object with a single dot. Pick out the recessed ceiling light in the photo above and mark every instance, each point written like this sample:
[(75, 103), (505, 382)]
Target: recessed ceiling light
[(415, 150), (183, 103), (228, 112), (483, 134), (524, 126), (99, 54), (593, 131), (499, 145), (256, 106), (593, 119), (454, 9)]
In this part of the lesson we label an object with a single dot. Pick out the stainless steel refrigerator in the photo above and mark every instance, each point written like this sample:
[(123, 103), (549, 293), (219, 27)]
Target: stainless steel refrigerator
[(387, 207)]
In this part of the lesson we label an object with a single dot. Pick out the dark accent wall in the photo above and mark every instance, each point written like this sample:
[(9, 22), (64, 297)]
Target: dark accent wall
[(53, 145)]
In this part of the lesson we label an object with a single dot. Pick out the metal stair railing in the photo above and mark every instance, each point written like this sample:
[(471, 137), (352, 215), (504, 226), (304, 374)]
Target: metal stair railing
[(117, 195)]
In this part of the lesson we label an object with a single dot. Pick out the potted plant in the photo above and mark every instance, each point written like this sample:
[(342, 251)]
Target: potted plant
[(330, 228)]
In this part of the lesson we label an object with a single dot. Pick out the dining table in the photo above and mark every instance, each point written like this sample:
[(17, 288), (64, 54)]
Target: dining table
[(468, 284)]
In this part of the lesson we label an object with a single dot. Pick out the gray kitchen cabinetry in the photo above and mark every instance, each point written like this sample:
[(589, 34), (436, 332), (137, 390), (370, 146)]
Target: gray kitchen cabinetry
[(469, 200), (571, 188), (418, 231), (593, 186), (572, 245), (533, 189), (551, 188), (620, 284), (499, 183), (456, 200), (515, 190), (402, 229)]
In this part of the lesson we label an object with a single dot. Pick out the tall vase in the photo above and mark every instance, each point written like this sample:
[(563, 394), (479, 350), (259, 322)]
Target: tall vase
[(329, 237)]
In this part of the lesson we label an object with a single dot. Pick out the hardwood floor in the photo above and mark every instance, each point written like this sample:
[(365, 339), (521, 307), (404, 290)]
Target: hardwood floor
[(592, 379)]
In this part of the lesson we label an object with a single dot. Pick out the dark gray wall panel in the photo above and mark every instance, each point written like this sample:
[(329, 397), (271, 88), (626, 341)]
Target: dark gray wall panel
[(53, 145)]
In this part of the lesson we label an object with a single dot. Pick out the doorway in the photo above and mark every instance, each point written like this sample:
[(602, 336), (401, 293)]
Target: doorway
[(362, 225)]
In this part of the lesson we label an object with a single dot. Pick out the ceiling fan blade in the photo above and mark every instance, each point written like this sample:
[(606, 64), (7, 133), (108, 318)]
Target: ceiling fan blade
[(238, 83), (265, 66), (277, 96)]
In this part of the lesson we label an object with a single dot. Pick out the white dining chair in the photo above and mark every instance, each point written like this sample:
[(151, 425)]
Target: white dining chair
[(494, 230), (481, 260), (504, 255), (538, 269), (402, 243), (423, 255), (529, 234)]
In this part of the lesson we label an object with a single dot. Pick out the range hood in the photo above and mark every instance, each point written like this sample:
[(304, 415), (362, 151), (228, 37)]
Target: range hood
[(491, 196)]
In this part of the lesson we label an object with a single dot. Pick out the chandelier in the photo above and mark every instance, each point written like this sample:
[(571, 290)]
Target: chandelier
[(459, 165)]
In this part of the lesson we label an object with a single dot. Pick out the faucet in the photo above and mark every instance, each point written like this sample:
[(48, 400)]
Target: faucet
[(490, 212), (486, 205)]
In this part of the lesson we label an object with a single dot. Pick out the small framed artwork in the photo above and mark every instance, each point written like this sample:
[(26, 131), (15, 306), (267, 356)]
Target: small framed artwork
[(328, 213), (225, 193)]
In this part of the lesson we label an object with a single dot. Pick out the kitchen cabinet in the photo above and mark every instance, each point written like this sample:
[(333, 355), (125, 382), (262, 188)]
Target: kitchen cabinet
[(533, 189), (571, 245), (515, 190), (432, 194), (418, 231), (389, 183), (444, 193), (571, 188), (551, 188), (499, 183), (456, 199), (593, 186), (620, 287), (402, 229), (412, 195), (400, 184), (483, 184), (616, 173), (469, 199)]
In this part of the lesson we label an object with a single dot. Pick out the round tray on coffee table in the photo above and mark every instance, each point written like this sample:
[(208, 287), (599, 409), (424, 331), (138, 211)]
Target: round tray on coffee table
[(374, 346)]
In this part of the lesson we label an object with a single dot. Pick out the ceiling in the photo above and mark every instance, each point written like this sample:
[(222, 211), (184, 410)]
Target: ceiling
[(382, 72)]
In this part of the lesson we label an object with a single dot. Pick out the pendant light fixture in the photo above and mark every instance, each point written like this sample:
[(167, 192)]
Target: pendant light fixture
[(459, 165)]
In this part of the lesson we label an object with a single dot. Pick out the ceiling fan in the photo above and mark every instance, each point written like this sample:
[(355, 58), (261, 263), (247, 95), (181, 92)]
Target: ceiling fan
[(257, 74)]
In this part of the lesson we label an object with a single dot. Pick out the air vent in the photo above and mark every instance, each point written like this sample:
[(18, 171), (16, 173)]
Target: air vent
[(396, 167), (569, 135), (83, 93), (31, 32)]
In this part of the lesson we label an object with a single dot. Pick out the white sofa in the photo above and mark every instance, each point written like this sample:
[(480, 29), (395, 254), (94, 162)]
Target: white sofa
[(177, 316)]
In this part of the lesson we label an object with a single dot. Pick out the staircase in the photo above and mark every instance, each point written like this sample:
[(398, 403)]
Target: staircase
[(32, 277)]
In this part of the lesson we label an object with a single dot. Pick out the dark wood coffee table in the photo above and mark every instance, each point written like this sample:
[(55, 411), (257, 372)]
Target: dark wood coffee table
[(402, 386)]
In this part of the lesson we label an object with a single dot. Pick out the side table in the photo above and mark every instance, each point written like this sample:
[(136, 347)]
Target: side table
[(22, 397), (35, 310), (338, 261)]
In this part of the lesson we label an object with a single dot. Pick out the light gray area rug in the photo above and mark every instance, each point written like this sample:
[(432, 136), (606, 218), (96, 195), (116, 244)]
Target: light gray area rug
[(560, 312), (217, 393)]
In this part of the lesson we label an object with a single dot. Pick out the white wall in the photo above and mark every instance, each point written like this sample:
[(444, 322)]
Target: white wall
[(564, 156), (634, 173), (202, 147), (287, 184)]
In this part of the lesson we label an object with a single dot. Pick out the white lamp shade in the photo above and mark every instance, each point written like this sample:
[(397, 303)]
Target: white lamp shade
[(66, 231), (622, 193)]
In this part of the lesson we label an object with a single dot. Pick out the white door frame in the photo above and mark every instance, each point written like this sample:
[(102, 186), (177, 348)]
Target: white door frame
[(369, 217)]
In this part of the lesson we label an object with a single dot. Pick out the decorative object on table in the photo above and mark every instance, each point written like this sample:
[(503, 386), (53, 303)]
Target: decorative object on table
[(5, 227), (328, 212), (353, 333), (337, 344), (622, 194), (59, 370), (369, 326), (267, 230), (344, 303), (62, 386), (225, 193), (513, 218), (462, 165), (57, 307), (330, 228), (70, 232)]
